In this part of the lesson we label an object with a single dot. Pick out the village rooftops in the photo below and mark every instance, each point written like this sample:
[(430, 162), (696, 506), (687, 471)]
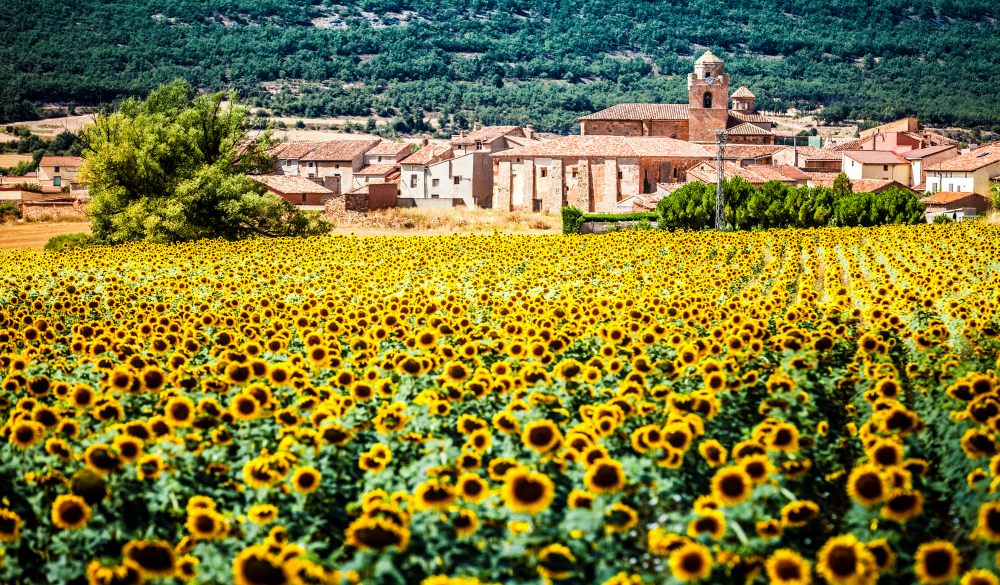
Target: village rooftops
[(60, 161), (339, 150), (747, 129), (971, 161), (707, 172), (397, 149), (427, 155), (946, 197), (641, 112), (293, 150), (928, 151), (608, 147), (486, 134), (875, 157), (377, 170), (290, 184)]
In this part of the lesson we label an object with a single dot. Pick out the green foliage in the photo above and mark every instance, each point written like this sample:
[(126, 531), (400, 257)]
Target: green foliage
[(8, 209), (842, 185), (777, 205), (31, 187), (572, 218), (508, 60), (23, 168), (171, 168), (943, 218), (64, 242)]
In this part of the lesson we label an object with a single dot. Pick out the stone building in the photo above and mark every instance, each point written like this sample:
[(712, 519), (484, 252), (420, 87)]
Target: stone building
[(707, 110), (972, 172), (593, 173)]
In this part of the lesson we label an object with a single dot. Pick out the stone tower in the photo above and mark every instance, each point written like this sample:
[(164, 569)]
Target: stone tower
[(744, 101), (708, 98)]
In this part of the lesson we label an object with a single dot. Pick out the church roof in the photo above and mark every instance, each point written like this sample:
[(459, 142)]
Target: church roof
[(641, 112), (607, 147), (743, 92), (747, 129), (708, 57)]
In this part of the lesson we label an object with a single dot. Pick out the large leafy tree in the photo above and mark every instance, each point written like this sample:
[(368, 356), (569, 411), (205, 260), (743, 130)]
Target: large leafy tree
[(173, 167)]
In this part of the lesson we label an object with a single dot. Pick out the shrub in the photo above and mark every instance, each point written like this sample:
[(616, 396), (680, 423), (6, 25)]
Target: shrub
[(572, 218), (64, 242)]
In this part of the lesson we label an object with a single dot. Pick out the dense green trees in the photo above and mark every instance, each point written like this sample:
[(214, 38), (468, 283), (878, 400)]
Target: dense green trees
[(545, 61), (173, 168), (777, 205)]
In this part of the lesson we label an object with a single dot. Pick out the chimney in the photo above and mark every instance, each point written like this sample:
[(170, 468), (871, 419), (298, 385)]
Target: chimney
[(529, 131), (425, 142), (476, 126)]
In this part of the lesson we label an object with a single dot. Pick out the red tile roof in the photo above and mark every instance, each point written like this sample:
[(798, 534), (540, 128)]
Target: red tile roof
[(707, 172), (818, 154), (377, 170), (970, 161), (641, 112), (60, 161), (386, 148), (744, 151), (753, 118), (743, 92), (875, 157), (293, 150), (747, 129), (290, 184), (946, 197), (608, 147), (928, 151), (427, 155), (487, 134), (339, 150)]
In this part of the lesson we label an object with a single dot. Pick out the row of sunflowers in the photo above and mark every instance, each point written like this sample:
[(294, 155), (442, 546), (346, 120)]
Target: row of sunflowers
[(785, 407)]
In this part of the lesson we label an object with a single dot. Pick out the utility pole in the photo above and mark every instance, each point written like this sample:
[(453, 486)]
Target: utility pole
[(720, 203)]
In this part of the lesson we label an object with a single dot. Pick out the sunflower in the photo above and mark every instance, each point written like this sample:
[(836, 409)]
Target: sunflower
[(527, 491), (902, 505), (731, 485), (101, 459), (620, 518), (179, 411), (434, 495), (376, 534), (89, 485), (691, 562), (580, 499), (988, 525), (306, 480), (937, 562), (262, 513), (70, 512), (244, 407), (129, 448), (867, 485), (884, 555), (256, 566), (472, 487), (845, 561), (980, 577), (556, 562), (768, 529), (541, 436), (205, 524), (711, 522), (25, 433), (153, 558), (465, 522), (606, 475), (10, 526), (713, 452), (786, 567)]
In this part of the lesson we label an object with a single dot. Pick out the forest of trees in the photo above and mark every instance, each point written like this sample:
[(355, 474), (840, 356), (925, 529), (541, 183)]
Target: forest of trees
[(513, 61)]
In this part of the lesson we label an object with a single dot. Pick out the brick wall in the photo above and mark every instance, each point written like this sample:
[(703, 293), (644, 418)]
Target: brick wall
[(611, 128)]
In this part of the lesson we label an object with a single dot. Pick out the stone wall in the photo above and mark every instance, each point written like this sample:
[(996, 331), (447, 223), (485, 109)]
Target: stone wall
[(611, 128)]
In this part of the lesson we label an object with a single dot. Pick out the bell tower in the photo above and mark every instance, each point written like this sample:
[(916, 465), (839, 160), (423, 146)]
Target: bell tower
[(708, 98)]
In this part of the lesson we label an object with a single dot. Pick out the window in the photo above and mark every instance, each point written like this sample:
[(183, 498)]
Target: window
[(479, 145), (885, 167), (543, 172), (311, 165), (413, 181), (458, 180), (435, 182), (707, 99), (335, 165), (575, 172), (56, 169), (619, 175), (435, 196)]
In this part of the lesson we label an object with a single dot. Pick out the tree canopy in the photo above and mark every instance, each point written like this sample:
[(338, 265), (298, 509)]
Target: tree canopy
[(173, 168), (509, 61)]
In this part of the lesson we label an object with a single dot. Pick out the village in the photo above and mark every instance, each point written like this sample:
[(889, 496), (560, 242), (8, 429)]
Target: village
[(625, 159)]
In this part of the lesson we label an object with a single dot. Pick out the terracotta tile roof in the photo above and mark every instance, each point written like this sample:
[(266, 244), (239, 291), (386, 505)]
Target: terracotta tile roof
[(707, 172), (946, 197), (387, 148), (608, 147), (971, 161), (427, 155), (747, 129), (641, 112), (339, 150), (293, 150), (60, 161), (874, 185), (928, 151), (487, 134), (708, 57), (850, 145), (744, 151), (794, 173), (743, 92), (753, 118), (819, 154), (377, 170), (875, 157), (290, 184)]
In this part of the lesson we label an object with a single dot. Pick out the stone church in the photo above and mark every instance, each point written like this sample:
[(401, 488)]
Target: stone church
[(708, 109)]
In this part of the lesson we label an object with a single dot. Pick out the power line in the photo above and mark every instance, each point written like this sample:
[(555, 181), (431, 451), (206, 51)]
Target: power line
[(720, 203)]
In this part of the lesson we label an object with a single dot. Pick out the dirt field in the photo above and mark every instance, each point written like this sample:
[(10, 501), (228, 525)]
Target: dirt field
[(52, 126), (33, 236)]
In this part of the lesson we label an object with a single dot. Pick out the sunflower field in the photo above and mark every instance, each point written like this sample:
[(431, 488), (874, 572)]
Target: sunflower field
[(785, 407)]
